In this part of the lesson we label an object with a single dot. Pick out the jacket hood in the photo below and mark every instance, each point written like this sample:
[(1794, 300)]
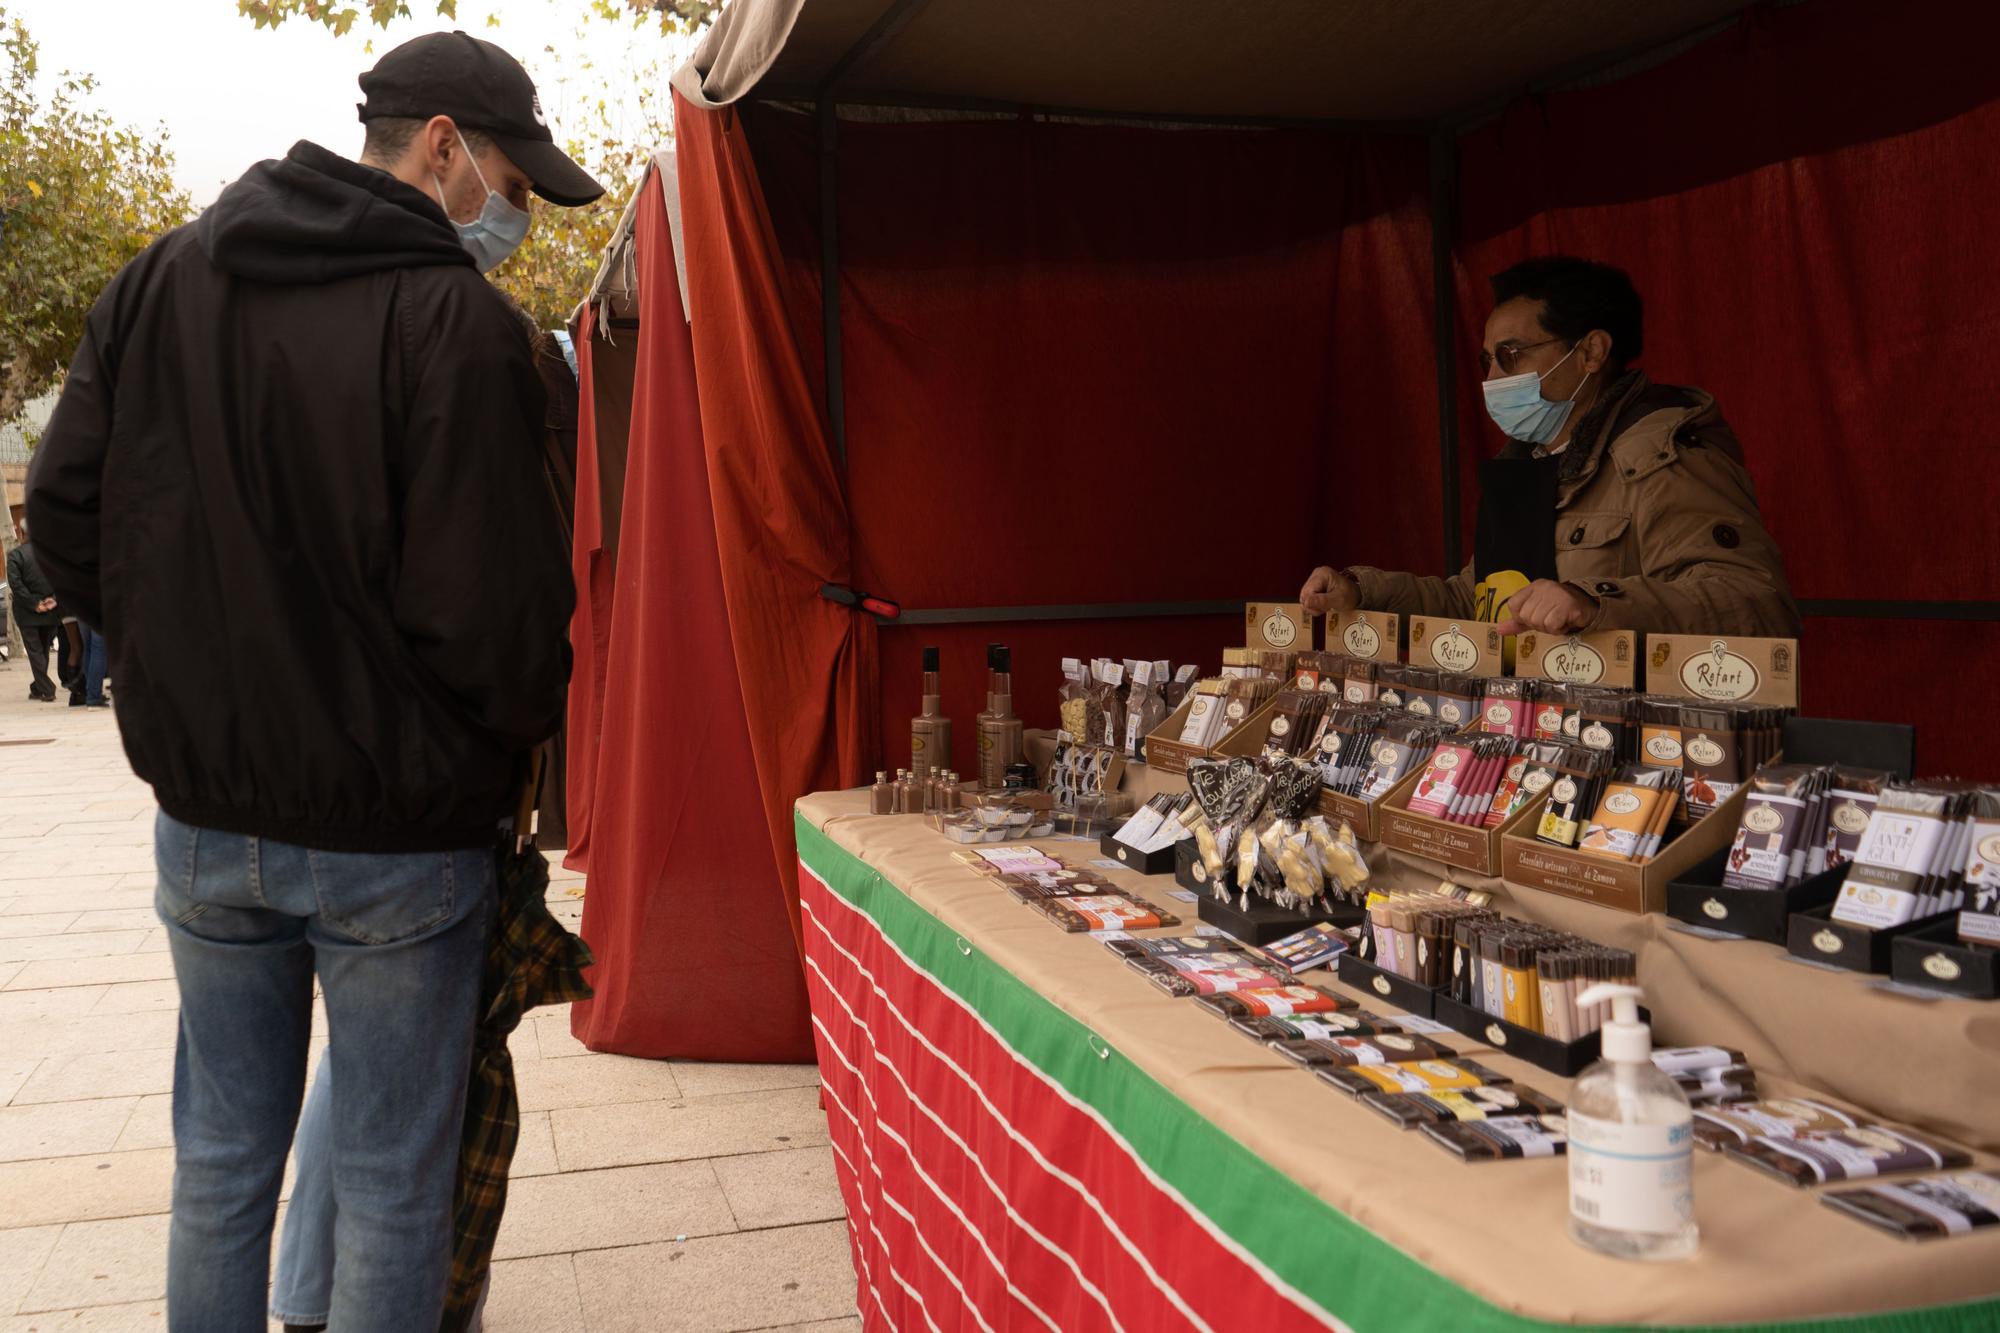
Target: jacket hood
[(313, 217)]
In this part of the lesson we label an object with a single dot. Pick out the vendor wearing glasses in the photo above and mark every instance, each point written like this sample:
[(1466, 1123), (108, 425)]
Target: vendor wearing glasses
[(1617, 503)]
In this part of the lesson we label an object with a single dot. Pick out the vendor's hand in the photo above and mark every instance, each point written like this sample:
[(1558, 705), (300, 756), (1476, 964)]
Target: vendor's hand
[(1549, 607), (1330, 589)]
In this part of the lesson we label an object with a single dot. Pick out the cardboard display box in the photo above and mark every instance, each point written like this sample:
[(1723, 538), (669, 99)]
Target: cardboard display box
[(1280, 625), (1610, 657), (1467, 846), (1621, 885), (1165, 750), (1373, 636), (1469, 647), (1705, 666)]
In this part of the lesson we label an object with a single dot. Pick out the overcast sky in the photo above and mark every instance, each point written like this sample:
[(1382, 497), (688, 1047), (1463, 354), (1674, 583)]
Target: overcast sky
[(231, 95)]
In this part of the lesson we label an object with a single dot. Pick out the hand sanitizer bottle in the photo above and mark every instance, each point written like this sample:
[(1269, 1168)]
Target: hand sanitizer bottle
[(1631, 1144)]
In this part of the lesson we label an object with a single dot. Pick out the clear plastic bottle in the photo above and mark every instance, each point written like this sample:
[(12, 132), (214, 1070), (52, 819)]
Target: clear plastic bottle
[(1631, 1144)]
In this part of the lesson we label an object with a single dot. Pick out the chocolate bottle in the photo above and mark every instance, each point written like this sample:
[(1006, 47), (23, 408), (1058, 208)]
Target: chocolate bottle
[(1000, 732), (930, 730), (882, 796)]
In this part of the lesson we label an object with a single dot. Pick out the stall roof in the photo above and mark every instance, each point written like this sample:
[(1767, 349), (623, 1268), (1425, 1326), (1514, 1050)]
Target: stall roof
[(1409, 62)]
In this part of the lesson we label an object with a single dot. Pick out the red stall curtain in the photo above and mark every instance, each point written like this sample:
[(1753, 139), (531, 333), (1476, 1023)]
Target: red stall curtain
[(1097, 363), (1805, 202), (686, 911), (781, 524), (591, 623)]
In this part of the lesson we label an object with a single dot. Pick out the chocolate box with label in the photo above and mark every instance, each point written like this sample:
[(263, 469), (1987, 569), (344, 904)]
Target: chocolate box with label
[(1472, 847), (1609, 657), (1622, 885), (1706, 666), (1371, 636), (1280, 625), (1469, 647)]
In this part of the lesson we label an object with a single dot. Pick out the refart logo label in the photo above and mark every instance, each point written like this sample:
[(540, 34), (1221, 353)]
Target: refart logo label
[(1575, 662), (1763, 819), (1279, 631), (1720, 674), (1454, 651), (1621, 803), (1361, 640), (1665, 749), (1704, 751)]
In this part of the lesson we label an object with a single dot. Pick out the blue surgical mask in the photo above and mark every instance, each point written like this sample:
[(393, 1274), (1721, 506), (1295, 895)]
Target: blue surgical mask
[(1517, 407), (498, 230)]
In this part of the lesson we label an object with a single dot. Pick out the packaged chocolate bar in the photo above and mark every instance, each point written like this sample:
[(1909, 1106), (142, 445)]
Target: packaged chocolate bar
[(1345, 1023), (1712, 763), (1850, 803), (1925, 1209), (1210, 974), (1679, 1060), (1979, 919), (1825, 1156), (1497, 1138), (1509, 707), (1173, 946), (1580, 779), (1410, 1076), (1776, 1118), (1381, 1049), (1104, 911), (1735, 1083), (1912, 859), (1317, 944), (1630, 820), (1782, 827), (1411, 1109), (1276, 1002)]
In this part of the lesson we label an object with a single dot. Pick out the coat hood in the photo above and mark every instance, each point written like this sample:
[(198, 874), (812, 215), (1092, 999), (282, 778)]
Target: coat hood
[(313, 217)]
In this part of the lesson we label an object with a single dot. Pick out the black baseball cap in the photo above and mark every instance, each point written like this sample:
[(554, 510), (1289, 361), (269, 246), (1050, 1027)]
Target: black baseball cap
[(482, 88)]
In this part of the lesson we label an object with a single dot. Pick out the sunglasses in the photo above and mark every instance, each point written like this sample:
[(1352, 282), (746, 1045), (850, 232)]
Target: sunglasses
[(1508, 356)]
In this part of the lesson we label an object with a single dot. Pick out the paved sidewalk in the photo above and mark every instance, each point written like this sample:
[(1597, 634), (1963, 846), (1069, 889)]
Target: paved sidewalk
[(648, 1196)]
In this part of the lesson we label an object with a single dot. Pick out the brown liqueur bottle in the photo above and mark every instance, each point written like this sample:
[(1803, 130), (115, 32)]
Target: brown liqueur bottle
[(930, 730), (882, 796), (1000, 733)]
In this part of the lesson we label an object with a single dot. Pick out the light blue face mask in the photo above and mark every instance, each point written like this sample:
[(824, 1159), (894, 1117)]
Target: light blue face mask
[(498, 230), (1517, 407)]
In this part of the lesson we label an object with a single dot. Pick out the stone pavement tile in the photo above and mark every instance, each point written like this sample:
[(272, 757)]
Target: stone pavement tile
[(114, 918), (22, 1254), (94, 1033), (83, 1189), (72, 1078), (780, 1189), (154, 942), (151, 1124), (589, 1137), (62, 1129), (114, 1262), (553, 1036), (700, 1078), (747, 1280), (80, 900), (143, 1317), (851, 1324), (596, 1210), (13, 1073), (8, 971), (535, 1154), (533, 1296), (134, 997), (40, 923), (92, 971), (99, 944), (548, 1084), (21, 1006)]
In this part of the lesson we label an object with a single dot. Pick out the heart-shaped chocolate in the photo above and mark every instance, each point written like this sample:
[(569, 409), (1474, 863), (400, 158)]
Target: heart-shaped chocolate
[(1227, 790), (1294, 789)]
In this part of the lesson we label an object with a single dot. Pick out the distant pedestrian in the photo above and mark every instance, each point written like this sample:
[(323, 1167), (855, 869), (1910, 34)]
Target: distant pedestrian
[(295, 477), (38, 614)]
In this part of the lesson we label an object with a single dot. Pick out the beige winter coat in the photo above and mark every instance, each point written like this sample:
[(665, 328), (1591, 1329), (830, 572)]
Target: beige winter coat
[(1655, 518)]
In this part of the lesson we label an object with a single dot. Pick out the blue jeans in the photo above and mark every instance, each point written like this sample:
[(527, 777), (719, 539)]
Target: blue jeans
[(96, 662), (302, 1286), (399, 942)]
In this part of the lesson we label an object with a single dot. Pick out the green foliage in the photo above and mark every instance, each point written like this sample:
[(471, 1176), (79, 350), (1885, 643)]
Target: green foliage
[(342, 15), (80, 195)]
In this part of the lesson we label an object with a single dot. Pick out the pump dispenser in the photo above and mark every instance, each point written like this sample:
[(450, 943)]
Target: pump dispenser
[(930, 730), (1631, 1144), (1001, 735)]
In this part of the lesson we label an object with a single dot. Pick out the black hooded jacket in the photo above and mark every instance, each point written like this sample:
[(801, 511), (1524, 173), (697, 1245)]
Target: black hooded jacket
[(295, 478)]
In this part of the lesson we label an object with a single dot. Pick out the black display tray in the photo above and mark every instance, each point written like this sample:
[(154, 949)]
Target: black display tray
[(1700, 899), (1158, 862), (1189, 872), (1815, 935), (1932, 957), (1405, 994), (1567, 1058), (1265, 923)]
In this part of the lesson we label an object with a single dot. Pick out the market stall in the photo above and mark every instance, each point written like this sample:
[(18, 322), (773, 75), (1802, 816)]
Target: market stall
[(1097, 268)]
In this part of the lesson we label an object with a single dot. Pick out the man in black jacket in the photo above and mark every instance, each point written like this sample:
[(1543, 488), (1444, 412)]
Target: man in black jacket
[(37, 612), (295, 479)]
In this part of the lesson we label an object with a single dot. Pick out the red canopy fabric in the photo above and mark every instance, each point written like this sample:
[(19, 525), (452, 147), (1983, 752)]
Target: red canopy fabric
[(697, 955)]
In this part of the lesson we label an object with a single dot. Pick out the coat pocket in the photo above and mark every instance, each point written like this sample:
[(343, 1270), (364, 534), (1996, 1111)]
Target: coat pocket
[(381, 898)]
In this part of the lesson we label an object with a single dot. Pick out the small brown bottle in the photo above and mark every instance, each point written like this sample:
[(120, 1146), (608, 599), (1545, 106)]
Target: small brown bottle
[(901, 799), (930, 730), (882, 796), (1001, 734)]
